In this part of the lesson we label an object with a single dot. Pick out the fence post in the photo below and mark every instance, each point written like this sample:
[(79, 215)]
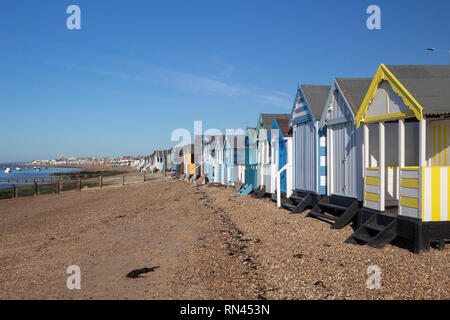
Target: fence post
[(13, 191), (38, 189), (101, 182), (35, 189), (123, 180), (79, 184), (144, 177)]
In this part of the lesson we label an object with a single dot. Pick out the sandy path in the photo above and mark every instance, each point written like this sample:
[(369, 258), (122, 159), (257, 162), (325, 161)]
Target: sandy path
[(107, 233)]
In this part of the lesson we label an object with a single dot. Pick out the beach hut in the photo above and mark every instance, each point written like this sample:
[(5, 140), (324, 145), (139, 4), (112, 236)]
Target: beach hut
[(344, 185), (250, 162), (264, 166), (217, 152), (179, 160), (188, 160), (281, 160), (233, 158), (239, 167), (405, 120), (174, 158), (309, 150), (208, 157), (212, 144), (168, 160), (160, 159)]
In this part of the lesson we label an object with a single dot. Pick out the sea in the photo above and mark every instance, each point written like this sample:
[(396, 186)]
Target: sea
[(27, 172)]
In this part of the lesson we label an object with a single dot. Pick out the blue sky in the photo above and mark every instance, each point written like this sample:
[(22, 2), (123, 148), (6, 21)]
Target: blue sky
[(137, 70)]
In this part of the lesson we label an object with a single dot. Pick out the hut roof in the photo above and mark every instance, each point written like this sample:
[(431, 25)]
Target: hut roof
[(354, 90), (429, 85), (283, 124), (269, 118), (316, 96)]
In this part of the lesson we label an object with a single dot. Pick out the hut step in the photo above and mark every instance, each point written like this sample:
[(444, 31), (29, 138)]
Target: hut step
[(303, 203), (246, 190), (325, 205), (315, 212), (378, 231), (273, 197), (260, 193), (340, 210), (287, 204)]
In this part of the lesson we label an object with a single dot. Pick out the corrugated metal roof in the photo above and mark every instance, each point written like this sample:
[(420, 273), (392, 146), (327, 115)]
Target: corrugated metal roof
[(317, 97), (429, 85), (354, 89)]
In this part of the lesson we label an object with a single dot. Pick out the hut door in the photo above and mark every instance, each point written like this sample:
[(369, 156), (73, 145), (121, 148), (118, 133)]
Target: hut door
[(440, 143), (342, 160)]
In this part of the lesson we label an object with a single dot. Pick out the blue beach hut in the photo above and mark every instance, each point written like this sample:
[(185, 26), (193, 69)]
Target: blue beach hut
[(279, 154), (250, 161), (309, 159)]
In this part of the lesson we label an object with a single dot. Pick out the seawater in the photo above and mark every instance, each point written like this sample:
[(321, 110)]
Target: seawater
[(29, 173)]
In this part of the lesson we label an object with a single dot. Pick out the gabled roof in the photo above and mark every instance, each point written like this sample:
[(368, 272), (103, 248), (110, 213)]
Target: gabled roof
[(283, 125), (423, 89), (266, 120), (354, 90), (316, 97), (429, 85)]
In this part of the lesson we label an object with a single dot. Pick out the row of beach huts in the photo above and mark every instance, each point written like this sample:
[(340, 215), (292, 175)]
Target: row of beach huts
[(370, 152)]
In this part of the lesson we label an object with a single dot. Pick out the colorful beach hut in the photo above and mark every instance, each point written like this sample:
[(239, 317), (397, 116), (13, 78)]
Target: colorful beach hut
[(208, 163), (309, 159), (343, 154), (282, 160), (233, 158), (177, 160), (218, 159), (263, 128), (405, 120), (188, 160), (251, 162), (173, 164)]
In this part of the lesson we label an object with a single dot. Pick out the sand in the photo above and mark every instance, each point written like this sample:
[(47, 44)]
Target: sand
[(208, 243)]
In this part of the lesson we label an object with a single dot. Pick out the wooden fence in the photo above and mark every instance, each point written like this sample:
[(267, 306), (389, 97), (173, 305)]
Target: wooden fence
[(48, 186)]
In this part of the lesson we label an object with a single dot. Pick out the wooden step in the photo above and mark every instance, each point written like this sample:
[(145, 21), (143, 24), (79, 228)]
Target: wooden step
[(288, 206), (323, 216), (296, 198), (377, 228), (374, 233), (344, 214), (260, 193), (332, 206), (365, 238), (309, 200)]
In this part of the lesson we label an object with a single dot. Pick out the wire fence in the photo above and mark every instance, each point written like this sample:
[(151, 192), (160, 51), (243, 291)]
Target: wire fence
[(39, 187)]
